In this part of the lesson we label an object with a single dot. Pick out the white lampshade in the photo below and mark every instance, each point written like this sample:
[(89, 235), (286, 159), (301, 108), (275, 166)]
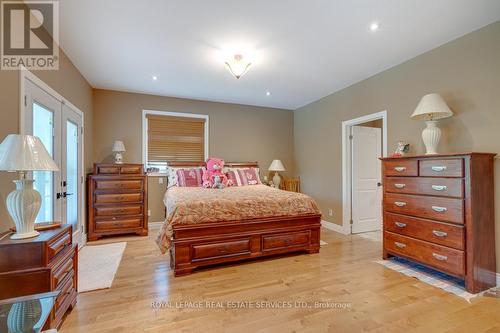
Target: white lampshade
[(276, 165), (118, 146), (432, 107), (25, 153)]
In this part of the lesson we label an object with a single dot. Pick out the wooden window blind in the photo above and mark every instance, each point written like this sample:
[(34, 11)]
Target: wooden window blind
[(172, 138)]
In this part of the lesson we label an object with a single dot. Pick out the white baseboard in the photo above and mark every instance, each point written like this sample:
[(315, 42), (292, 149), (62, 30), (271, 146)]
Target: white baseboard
[(155, 225), (335, 227)]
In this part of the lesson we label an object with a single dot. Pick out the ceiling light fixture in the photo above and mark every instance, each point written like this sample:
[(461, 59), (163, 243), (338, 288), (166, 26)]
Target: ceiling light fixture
[(155, 77), (238, 66), (374, 26), (268, 93)]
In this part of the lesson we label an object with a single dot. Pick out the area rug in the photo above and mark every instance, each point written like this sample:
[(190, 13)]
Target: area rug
[(427, 275), (97, 265)]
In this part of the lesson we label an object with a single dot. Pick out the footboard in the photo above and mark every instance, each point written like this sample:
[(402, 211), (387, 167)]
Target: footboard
[(213, 243)]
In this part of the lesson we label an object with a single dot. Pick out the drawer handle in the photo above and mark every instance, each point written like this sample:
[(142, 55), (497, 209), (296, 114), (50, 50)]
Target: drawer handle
[(440, 257), (438, 168), (439, 209), (400, 245), (400, 224), (439, 233), (400, 169), (439, 187), (400, 203), (399, 185)]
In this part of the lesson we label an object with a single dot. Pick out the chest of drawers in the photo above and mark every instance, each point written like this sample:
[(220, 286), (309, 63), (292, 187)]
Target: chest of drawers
[(41, 264), (439, 211), (117, 202)]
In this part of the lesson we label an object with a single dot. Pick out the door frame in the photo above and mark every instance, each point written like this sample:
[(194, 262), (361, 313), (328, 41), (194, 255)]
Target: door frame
[(25, 74), (347, 162)]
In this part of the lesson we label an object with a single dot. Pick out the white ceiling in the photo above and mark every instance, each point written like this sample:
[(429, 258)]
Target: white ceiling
[(302, 50)]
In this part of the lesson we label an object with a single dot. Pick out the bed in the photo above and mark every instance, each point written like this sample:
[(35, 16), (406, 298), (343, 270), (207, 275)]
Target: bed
[(210, 226)]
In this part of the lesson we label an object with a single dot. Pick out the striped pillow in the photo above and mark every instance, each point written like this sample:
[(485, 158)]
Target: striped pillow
[(243, 177), (189, 177)]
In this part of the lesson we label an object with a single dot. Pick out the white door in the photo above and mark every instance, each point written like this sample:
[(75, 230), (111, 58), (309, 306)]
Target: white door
[(71, 170), (60, 129), (43, 120), (366, 174)]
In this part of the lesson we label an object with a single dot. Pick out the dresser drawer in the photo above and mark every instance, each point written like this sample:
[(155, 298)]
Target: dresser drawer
[(221, 249), (118, 210), (280, 241), (107, 170), (132, 169), (61, 272), (443, 258), (401, 168), (135, 184), (443, 187), (118, 198), (442, 168), (65, 289), (59, 244), (435, 208), (436, 232), (117, 224)]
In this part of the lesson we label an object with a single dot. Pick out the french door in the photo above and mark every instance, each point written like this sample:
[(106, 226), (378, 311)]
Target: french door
[(59, 127)]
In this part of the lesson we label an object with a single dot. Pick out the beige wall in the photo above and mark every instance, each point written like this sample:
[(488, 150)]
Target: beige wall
[(237, 132), (466, 72), (69, 83)]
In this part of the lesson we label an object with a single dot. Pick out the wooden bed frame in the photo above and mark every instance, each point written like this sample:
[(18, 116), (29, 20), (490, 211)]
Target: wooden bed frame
[(206, 244)]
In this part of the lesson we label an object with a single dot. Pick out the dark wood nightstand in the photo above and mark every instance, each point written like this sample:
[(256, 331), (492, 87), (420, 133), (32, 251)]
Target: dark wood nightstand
[(48, 262)]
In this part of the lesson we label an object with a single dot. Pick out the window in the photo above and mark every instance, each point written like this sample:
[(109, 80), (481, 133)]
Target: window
[(172, 136)]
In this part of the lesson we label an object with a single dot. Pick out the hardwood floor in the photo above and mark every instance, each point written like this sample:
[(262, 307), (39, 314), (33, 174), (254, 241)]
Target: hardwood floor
[(379, 299)]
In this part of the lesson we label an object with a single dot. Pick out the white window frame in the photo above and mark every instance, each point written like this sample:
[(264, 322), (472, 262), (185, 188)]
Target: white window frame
[(172, 114)]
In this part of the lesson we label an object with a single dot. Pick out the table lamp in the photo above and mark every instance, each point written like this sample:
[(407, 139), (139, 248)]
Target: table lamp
[(431, 108), (118, 149), (24, 153), (276, 166)]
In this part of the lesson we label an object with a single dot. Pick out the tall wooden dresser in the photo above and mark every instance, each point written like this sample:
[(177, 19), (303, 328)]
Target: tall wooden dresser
[(117, 200), (439, 211), (47, 262)]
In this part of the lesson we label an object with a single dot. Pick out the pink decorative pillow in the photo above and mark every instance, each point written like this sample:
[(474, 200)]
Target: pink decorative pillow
[(233, 179), (189, 177), (243, 177)]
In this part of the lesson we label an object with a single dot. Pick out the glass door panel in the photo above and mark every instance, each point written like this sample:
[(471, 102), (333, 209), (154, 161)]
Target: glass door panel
[(43, 124), (72, 170), (72, 174)]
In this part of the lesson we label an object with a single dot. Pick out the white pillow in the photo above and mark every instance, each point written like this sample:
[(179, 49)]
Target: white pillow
[(172, 179)]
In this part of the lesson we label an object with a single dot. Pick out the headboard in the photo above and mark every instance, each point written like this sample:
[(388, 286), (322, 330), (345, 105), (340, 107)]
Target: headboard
[(226, 164)]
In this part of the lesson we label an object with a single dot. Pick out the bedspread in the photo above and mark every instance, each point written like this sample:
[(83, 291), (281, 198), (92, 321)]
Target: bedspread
[(191, 205)]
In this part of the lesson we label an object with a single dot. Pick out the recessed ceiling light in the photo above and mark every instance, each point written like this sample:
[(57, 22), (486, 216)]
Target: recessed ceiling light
[(155, 77), (374, 26), (268, 93)]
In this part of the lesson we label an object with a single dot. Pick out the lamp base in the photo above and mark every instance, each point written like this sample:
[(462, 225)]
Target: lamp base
[(23, 205), (118, 158), (431, 136), (276, 180)]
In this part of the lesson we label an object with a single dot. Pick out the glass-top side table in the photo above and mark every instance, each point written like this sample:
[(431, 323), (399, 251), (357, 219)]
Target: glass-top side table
[(26, 314)]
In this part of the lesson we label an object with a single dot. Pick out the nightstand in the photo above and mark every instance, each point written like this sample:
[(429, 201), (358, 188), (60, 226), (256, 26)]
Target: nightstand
[(45, 263)]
